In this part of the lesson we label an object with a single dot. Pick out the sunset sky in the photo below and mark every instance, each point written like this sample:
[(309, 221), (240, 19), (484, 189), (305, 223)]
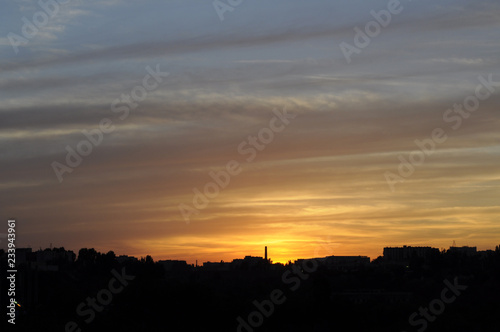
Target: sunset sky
[(317, 188)]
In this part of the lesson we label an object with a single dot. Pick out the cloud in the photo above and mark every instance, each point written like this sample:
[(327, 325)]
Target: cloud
[(323, 175)]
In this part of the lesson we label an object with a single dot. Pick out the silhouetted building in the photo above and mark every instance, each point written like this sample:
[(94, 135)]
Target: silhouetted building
[(52, 260), (126, 259), (24, 255), (374, 296), (486, 253), (253, 261), (173, 265), (344, 263), (405, 253), (237, 263), (248, 263), (467, 251), (222, 266), (44, 260)]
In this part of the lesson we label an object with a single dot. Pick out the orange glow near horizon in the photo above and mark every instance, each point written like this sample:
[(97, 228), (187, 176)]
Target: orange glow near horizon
[(282, 252), (206, 141)]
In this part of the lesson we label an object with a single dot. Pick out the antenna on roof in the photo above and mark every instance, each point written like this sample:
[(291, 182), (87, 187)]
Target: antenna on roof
[(454, 243)]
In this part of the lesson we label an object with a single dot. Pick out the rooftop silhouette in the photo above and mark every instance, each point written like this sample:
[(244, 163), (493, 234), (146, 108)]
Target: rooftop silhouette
[(97, 291)]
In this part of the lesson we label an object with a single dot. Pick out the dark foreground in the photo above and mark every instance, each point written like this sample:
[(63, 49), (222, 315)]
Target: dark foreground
[(97, 293)]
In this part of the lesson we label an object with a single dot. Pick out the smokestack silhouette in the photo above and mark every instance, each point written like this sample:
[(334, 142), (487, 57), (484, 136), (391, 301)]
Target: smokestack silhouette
[(265, 253)]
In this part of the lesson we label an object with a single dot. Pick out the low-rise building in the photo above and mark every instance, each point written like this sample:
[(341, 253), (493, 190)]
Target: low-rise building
[(405, 253), (467, 251)]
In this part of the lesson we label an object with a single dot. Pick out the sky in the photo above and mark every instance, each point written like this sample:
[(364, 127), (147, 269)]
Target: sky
[(331, 133)]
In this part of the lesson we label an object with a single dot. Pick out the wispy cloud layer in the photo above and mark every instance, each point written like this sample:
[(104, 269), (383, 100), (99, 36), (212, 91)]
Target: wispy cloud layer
[(323, 175)]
